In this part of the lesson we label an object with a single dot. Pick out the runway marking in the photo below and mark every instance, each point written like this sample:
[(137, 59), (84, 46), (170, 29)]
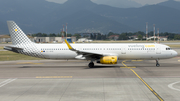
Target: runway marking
[(29, 63), (6, 82), (171, 86), (145, 83), (137, 60), (48, 77)]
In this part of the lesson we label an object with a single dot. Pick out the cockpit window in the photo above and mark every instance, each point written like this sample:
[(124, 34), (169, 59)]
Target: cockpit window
[(168, 48)]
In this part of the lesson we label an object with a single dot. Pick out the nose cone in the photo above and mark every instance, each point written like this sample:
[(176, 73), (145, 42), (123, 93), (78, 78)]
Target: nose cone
[(175, 53)]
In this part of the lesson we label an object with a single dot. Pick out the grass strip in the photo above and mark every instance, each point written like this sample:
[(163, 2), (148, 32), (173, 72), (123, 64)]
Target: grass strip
[(10, 56), (174, 46), (1, 47)]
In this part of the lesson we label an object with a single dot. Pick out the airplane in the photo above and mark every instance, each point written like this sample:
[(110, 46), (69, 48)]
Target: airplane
[(107, 53)]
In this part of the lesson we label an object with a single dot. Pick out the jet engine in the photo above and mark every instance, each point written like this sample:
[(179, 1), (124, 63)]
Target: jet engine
[(108, 60)]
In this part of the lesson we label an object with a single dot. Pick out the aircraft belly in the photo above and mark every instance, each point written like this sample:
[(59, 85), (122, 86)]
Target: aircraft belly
[(60, 55)]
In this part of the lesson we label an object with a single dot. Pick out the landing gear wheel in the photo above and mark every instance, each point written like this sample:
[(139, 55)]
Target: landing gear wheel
[(158, 65), (91, 65)]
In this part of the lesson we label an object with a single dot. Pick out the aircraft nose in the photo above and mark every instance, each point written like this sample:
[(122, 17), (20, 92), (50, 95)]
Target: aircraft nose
[(175, 53)]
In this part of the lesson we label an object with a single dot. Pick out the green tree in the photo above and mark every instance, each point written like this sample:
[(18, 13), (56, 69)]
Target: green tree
[(140, 37), (104, 37), (99, 37), (44, 35), (123, 36), (110, 33), (39, 35), (58, 35), (52, 35), (78, 36), (177, 37), (91, 37), (69, 35), (94, 37)]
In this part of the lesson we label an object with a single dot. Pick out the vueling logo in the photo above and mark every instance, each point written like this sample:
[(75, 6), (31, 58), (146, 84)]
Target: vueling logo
[(148, 46), (15, 30)]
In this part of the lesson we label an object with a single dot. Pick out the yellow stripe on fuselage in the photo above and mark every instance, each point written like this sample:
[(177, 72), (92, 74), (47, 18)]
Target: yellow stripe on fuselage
[(69, 46)]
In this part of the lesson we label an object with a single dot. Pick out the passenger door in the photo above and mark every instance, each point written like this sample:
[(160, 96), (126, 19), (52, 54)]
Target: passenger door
[(123, 50), (158, 49)]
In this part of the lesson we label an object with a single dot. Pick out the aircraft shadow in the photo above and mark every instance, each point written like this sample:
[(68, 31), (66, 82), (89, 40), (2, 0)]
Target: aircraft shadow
[(83, 67), (96, 67)]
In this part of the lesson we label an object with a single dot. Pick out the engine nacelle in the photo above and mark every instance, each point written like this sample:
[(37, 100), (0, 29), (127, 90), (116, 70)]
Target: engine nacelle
[(108, 60)]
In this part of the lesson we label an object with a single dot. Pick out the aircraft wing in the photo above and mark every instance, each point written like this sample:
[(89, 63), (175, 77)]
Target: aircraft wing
[(88, 54)]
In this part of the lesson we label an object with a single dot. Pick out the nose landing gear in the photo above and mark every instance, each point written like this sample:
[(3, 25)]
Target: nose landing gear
[(157, 63)]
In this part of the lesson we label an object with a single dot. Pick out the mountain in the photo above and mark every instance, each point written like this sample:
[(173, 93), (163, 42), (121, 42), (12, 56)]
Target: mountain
[(85, 16), (27, 13), (113, 3), (87, 21), (80, 17), (137, 17), (118, 3), (70, 7), (3, 28), (171, 3)]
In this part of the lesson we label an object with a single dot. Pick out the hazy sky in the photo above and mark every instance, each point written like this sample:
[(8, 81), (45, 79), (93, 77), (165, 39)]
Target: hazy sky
[(143, 2)]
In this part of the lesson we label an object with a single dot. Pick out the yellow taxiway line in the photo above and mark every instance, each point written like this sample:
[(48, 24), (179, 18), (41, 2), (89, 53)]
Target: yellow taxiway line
[(124, 64), (147, 86), (142, 80)]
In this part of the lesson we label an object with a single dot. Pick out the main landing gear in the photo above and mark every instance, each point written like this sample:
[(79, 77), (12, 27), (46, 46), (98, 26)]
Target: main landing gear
[(91, 65), (157, 63)]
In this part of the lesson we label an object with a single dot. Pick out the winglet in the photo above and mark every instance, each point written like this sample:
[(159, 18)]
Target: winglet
[(69, 46)]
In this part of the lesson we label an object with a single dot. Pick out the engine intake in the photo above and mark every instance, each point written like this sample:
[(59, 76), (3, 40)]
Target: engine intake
[(108, 60)]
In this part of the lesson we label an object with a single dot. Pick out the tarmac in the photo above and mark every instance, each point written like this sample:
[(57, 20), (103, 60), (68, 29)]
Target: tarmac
[(62, 80), (57, 80)]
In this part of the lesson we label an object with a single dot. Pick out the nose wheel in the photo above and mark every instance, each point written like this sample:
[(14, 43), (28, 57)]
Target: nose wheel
[(157, 63), (91, 65)]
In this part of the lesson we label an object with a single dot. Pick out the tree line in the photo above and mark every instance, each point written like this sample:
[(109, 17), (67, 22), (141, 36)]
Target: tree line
[(123, 36), (50, 35)]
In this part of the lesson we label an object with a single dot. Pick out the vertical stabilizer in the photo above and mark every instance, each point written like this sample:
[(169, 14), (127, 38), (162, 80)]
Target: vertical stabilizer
[(17, 35)]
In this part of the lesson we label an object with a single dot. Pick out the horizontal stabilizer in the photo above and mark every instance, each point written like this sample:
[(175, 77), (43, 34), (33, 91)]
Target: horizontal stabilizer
[(12, 48)]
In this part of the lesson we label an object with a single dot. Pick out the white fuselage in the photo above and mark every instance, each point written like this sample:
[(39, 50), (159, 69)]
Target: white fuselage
[(122, 51)]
